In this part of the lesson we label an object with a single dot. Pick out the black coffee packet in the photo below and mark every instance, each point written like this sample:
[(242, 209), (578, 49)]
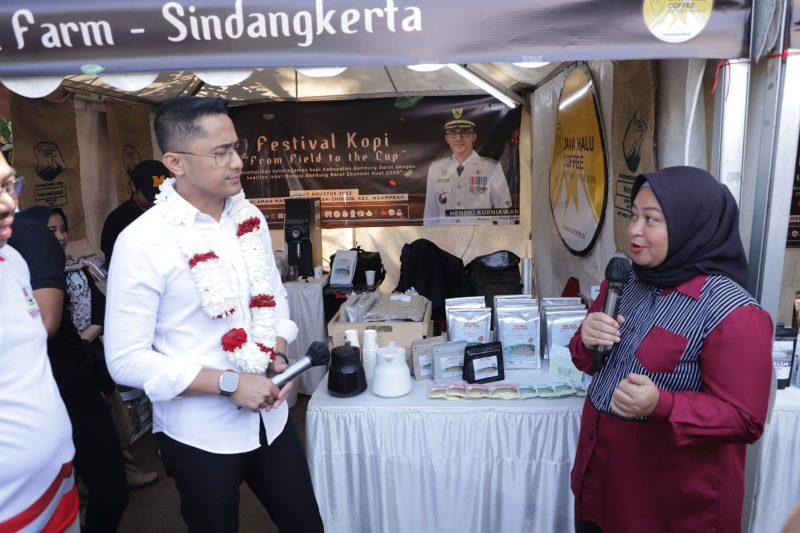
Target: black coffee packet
[(483, 363)]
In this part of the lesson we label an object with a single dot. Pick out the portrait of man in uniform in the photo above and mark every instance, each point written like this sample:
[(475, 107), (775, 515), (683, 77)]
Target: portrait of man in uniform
[(464, 181)]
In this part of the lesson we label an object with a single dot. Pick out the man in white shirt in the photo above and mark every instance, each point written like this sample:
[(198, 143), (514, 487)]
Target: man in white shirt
[(37, 487), (195, 312), (464, 182)]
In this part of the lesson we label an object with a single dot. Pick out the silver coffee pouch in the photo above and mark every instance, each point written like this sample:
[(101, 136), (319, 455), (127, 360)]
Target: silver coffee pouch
[(448, 361), (561, 327), (518, 331), (470, 325)]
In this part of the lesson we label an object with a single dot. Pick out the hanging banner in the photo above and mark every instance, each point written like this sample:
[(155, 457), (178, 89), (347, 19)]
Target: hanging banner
[(46, 38), (385, 161), (793, 239), (578, 170), (129, 140), (46, 153), (632, 143)]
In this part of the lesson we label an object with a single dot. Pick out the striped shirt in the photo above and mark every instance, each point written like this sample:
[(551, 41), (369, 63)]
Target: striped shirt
[(663, 335)]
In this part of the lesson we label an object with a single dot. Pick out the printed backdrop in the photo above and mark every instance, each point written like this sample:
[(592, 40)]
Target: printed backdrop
[(129, 140), (632, 141), (46, 153), (366, 159)]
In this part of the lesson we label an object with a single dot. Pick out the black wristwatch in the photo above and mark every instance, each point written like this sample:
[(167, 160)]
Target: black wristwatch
[(283, 356), (228, 382)]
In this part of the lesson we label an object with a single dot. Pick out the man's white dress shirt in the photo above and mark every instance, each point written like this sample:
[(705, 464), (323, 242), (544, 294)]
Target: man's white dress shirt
[(157, 336)]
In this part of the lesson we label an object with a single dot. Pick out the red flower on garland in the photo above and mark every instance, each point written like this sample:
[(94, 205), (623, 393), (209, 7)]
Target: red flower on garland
[(234, 339), (262, 300), (251, 224), (199, 258), (269, 351)]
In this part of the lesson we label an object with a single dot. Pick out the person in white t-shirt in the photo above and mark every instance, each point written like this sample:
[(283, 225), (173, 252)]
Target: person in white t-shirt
[(37, 486), (197, 316)]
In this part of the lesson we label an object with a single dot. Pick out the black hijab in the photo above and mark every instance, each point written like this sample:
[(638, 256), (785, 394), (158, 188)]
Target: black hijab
[(41, 214), (702, 224)]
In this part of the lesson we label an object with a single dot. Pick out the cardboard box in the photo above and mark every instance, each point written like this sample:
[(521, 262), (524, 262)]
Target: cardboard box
[(402, 333)]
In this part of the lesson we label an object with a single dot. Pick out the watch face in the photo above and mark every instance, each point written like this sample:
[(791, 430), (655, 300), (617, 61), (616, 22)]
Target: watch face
[(228, 382)]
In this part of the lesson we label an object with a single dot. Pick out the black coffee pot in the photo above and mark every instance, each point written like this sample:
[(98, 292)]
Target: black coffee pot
[(346, 376)]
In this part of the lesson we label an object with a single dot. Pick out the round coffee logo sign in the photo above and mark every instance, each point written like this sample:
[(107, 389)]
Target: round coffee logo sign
[(578, 170), (676, 21)]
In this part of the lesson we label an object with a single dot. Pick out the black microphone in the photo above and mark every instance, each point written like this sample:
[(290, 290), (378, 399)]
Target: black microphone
[(616, 275), (317, 354)]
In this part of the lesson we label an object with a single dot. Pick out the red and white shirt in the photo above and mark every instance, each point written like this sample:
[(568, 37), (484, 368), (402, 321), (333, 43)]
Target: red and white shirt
[(37, 490)]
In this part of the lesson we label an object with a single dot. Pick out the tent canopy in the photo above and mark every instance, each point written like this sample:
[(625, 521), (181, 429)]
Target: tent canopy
[(86, 38), (287, 84)]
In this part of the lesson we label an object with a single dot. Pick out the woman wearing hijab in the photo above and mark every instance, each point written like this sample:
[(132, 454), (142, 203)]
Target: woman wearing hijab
[(86, 303), (686, 383), (98, 457)]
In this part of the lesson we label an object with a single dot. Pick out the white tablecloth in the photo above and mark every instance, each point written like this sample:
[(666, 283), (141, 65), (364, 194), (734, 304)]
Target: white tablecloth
[(414, 464), (306, 310), (778, 486)]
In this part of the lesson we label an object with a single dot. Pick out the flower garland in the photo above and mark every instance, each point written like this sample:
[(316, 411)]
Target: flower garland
[(251, 351)]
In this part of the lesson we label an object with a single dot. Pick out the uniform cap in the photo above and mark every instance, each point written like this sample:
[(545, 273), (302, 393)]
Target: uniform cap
[(458, 122)]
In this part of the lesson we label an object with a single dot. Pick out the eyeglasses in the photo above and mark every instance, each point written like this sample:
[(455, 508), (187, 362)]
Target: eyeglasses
[(222, 158), (13, 185), (452, 134)]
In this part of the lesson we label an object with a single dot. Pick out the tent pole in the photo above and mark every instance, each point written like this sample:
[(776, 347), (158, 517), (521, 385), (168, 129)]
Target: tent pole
[(773, 127), (730, 122)]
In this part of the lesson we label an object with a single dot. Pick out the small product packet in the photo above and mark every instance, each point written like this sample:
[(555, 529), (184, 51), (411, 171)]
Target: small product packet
[(456, 390), (477, 391), (504, 391), (436, 391)]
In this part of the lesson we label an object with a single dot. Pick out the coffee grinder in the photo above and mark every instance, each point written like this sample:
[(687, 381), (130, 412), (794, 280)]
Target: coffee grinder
[(303, 234)]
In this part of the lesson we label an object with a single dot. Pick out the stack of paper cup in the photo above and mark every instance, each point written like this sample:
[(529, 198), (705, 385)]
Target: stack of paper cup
[(369, 354), (351, 336)]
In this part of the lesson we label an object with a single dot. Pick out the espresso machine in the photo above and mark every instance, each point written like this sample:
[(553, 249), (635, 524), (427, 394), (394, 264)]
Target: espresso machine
[(303, 234)]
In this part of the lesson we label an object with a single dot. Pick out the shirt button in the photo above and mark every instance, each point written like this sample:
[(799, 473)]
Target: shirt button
[(591, 437)]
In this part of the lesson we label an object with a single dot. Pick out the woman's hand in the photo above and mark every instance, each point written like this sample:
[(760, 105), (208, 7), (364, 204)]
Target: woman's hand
[(599, 329), (634, 397), (91, 332)]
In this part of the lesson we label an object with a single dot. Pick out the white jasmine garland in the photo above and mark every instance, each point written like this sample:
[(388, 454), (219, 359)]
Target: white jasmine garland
[(249, 350)]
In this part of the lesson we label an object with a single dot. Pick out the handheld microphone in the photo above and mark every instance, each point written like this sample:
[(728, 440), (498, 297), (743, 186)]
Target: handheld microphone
[(317, 354), (616, 275)]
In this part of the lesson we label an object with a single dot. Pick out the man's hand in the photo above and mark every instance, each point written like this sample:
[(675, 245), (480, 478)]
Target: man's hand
[(634, 397), (599, 329), (278, 366), (255, 391)]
